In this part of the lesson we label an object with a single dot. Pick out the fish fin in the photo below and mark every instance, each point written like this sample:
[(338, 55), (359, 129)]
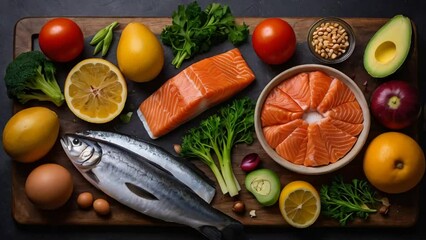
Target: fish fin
[(157, 166), (198, 171), (208, 198), (140, 191), (193, 168), (92, 176), (229, 232)]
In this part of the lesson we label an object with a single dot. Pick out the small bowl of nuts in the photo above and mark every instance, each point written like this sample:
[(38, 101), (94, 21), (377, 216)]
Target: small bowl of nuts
[(331, 40)]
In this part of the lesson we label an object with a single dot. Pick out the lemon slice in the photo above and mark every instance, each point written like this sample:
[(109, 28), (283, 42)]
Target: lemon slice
[(300, 204), (95, 90)]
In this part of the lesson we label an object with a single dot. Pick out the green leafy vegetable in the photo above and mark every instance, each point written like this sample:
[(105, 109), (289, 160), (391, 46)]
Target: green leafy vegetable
[(103, 38), (30, 76), (195, 31), (215, 137), (345, 201)]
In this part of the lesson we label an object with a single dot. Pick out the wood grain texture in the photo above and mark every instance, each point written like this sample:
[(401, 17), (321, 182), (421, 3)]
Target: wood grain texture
[(405, 207)]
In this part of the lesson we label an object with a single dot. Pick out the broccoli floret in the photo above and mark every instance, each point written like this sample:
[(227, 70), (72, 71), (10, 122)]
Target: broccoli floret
[(32, 77)]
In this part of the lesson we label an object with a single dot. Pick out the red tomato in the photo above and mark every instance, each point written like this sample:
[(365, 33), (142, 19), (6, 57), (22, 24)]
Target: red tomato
[(274, 41), (61, 39)]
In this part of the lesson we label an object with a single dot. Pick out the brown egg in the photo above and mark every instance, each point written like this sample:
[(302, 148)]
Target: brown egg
[(85, 200), (101, 206), (49, 186)]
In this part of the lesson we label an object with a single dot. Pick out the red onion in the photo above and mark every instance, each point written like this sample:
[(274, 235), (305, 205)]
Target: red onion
[(395, 104), (250, 162)]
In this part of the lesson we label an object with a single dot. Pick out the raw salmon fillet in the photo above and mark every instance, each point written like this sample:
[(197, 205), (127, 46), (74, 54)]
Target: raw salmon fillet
[(319, 83), (274, 135), (193, 90), (273, 115), (337, 94), (317, 152), (281, 99), (279, 108), (293, 148), (308, 141), (338, 142), (353, 129), (298, 89), (349, 112)]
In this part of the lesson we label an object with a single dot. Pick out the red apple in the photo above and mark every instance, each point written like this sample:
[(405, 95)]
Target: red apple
[(395, 104)]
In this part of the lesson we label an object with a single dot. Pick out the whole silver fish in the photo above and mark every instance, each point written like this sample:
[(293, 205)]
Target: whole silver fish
[(146, 187), (180, 168)]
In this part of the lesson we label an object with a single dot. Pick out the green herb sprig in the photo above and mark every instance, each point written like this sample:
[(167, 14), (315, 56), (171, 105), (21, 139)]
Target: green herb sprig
[(346, 201), (103, 39), (195, 31)]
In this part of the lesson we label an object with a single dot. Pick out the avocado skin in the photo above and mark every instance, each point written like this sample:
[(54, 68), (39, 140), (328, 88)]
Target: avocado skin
[(268, 175), (397, 30)]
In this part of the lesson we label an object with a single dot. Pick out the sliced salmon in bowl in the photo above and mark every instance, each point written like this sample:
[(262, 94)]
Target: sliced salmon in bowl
[(276, 134), (298, 89), (326, 134)]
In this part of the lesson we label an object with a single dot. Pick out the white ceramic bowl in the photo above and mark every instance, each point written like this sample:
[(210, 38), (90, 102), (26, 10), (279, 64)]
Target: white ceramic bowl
[(362, 137)]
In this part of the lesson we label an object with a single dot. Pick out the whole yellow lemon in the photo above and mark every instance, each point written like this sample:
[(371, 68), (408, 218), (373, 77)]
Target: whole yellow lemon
[(140, 55), (30, 134), (394, 162)]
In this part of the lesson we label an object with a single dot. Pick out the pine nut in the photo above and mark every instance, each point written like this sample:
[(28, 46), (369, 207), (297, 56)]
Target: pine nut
[(330, 40)]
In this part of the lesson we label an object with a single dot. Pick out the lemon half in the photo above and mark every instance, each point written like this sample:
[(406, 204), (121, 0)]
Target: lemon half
[(300, 204), (95, 90)]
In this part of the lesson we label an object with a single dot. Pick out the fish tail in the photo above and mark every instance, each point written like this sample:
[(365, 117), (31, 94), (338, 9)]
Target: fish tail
[(232, 231)]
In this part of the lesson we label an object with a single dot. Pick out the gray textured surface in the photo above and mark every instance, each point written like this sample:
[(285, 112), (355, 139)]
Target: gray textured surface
[(12, 11)]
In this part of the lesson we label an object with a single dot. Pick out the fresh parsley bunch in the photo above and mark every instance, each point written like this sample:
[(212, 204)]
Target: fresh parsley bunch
[(195, 31)]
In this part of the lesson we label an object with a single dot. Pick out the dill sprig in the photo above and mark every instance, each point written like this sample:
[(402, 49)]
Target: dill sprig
[(346, 201)]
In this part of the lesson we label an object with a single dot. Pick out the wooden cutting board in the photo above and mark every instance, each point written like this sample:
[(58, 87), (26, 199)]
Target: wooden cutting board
[(404, 209)]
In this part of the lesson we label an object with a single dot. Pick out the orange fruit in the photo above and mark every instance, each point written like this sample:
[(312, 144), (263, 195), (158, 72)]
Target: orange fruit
[(394, 162), (95, 90), (300, 204)]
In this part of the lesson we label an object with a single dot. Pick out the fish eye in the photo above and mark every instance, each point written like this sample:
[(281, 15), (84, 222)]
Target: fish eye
[(76, 141)]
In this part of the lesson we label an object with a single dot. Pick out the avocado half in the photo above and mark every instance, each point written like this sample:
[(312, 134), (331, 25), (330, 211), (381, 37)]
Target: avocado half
[(265, 185), (389, 47)]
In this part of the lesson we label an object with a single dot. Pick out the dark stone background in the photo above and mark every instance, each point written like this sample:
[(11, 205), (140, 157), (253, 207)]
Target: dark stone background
[(13, 10)]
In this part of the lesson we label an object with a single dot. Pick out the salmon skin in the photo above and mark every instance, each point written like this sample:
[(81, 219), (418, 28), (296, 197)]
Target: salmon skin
[(146, 187), (194, 90)]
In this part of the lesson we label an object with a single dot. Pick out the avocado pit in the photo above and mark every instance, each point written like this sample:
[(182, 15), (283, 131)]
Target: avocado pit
[(265, 185), (261, 186), (386, 52)]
